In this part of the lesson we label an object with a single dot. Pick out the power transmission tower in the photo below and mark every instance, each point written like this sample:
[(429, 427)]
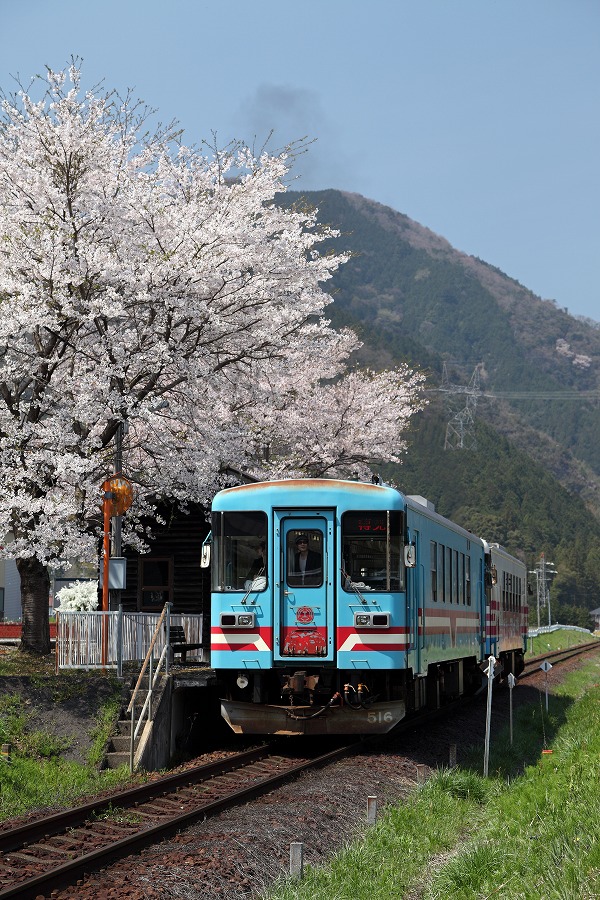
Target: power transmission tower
[(460, 432)]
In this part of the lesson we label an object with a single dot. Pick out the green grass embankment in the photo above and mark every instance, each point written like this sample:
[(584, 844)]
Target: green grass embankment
[(530, 831), (37, 774)]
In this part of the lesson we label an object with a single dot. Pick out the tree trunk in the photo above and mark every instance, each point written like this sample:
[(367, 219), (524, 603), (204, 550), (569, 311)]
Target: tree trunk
[(35, 592)]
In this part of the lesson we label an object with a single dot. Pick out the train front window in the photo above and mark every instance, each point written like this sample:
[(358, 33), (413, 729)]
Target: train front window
[(372, 551), (239, 551), (304, 554)]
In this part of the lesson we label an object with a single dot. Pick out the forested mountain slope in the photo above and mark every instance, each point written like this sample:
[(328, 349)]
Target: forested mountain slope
[(411, 296)]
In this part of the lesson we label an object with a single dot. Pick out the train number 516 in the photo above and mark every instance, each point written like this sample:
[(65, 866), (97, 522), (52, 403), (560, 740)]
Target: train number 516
[(378, 717)]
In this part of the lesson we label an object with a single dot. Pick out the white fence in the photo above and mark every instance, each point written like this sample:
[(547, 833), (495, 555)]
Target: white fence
[(547, 629), (125, 637)]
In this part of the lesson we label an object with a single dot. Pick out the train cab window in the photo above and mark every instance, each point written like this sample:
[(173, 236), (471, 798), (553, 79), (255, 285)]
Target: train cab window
[(239, 551), (304, 558), (372, 549)]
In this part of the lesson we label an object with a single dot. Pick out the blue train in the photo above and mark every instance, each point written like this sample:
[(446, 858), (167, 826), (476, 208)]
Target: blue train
[(338, 607)]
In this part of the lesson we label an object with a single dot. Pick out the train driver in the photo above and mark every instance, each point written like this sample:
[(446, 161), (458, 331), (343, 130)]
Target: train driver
[(307, 564)]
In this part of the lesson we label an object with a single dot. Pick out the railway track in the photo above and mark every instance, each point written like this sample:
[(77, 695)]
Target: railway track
[(555, 656), (50, 853)]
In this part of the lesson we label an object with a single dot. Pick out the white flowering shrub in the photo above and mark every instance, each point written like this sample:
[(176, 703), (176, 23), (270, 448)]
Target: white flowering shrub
[(79, 596)]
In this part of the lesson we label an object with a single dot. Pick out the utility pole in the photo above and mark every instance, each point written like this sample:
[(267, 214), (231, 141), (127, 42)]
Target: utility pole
[(543, 571)]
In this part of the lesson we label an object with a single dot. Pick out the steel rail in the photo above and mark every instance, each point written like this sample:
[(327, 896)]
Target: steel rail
[(68, 818), (532, 665), (68, 872)]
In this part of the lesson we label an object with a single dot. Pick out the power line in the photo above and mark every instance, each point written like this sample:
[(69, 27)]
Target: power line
[(515, 395), (460, 431)]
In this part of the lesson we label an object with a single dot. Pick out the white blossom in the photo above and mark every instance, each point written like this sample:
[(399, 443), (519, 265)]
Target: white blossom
[(150, 285)]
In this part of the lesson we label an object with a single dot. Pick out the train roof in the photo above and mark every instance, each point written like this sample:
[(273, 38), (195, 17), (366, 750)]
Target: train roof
[(308, 492), (327, 492), (425, 508), (498, 551)]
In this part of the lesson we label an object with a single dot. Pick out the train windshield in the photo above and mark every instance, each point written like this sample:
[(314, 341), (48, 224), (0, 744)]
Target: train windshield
[(239, 551), (372, 551)]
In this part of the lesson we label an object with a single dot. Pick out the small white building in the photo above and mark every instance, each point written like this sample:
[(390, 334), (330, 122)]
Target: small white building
[(595, 615)]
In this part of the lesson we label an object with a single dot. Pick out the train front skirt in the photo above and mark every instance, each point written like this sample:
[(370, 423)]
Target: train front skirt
[(248, 718)]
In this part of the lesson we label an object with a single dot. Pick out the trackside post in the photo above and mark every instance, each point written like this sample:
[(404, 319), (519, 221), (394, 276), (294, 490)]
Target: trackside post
[(490, 674)]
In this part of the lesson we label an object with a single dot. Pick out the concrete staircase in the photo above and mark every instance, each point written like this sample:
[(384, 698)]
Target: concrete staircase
[(119, 744), (118, 747)]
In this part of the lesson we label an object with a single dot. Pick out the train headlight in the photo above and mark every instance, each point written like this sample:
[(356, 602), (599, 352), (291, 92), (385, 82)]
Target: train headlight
[(242, 681), (237, 620), (372, 620)]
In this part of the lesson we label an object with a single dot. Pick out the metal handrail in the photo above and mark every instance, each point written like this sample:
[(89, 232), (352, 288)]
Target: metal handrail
[(152, 680)]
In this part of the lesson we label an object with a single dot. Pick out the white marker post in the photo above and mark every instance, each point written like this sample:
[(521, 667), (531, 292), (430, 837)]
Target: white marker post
[(545, 667), (296, 859), (511, 683), (371, 810), (488, 719)]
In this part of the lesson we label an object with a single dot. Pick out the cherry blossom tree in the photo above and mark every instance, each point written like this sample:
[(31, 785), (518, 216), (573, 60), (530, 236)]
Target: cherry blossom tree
[(147, 283), (310, 416)]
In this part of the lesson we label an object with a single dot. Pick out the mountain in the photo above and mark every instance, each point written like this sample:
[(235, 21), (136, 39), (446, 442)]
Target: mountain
[(532, 416)]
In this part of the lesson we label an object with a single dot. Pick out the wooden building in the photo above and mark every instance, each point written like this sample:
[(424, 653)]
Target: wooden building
[(171, 571)]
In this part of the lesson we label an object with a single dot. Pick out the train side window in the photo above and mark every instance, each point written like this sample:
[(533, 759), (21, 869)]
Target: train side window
[(468, 580), (434, 575), (449, 597), (373, 550), (455, 576), (461, 579), (442, 571), (239, 550)]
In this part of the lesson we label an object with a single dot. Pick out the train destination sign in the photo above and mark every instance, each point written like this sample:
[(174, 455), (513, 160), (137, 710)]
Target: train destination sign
[(376, 524)]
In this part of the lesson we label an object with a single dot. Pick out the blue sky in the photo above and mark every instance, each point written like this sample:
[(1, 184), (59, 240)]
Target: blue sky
[(478, 118)]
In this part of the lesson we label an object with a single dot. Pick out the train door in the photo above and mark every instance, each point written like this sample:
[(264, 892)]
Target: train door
[(415, 612), (489, 639), (304, 625)]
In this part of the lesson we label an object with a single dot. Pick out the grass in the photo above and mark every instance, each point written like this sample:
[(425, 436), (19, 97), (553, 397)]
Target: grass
[(14, 662), (529, 831), (37, 775)]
